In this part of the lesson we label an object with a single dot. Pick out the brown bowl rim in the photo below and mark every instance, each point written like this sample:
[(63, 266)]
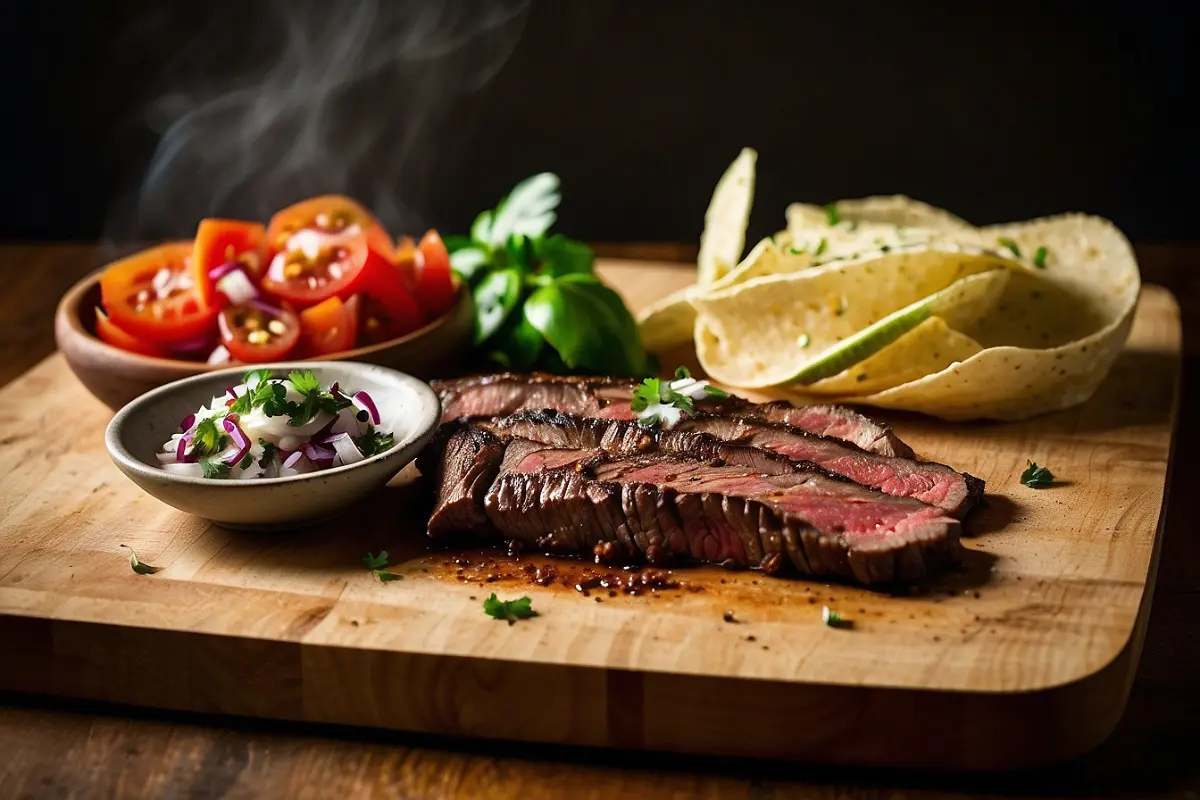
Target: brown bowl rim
[(69, 312)]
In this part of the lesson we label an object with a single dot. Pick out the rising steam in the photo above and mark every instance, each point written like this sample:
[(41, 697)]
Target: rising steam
[(312, 98)]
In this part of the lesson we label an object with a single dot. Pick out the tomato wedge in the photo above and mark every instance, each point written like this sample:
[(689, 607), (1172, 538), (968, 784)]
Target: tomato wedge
[(255, 332), (433, 284), (388, 309), (329, 327), (315, 265), (151, 296), (222, 241), (331, 213), (109, 333)]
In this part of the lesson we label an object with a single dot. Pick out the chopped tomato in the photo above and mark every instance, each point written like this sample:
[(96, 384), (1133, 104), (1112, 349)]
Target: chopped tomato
[(329, 327), (222, 241), (388, 309), (108, 332), (314, 266), (329, 213), (434, 286), (151, 296), (406, 260), (255, 332)]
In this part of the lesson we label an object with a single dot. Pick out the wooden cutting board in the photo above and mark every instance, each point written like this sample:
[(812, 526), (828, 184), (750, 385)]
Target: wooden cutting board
[(1025, 656)]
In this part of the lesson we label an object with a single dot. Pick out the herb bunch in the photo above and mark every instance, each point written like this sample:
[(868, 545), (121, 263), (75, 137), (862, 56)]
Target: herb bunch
[(538, 302)]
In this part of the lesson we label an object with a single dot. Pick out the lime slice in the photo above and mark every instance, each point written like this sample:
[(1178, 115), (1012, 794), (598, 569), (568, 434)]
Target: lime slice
[(726, 220), (958, 304)]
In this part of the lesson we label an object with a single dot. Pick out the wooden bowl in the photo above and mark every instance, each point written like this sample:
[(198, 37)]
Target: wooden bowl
[(117, 376)]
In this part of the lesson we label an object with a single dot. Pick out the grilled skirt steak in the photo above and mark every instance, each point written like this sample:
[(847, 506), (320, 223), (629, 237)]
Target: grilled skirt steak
[(750, 443), (569, 500), (507, 393)]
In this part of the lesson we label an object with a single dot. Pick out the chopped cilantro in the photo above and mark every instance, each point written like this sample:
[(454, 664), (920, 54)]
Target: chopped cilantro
[(821, 246), (208, 438), (375, 562), (509, 610), (796, 250), (270, 396), (713, 391), (269, 452), (832, 215), (649, 393), (1004, 241), (831, 618), (1039, 257), (376, 565), (213, 467), (1036, 477), (373, 442), (246, 462), (304, 382), (256, 376), (138, 566)]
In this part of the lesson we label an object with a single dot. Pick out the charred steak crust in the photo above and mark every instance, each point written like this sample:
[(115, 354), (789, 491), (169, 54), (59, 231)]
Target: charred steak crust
[(504, 393), (569, 501), (767, 447)]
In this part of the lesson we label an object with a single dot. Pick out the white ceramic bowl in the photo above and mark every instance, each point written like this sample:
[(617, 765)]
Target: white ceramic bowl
[(407, 407)]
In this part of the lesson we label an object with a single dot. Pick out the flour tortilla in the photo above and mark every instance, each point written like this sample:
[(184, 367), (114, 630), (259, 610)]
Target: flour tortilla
[(1090, 283), (765, 331)]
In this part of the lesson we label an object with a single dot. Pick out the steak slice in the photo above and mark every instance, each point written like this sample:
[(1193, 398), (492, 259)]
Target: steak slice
[(506, 393), (567, 501), (754, 444)]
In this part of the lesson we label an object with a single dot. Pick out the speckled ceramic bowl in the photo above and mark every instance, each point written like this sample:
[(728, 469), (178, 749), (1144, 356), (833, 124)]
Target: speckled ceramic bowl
[(407, 407)]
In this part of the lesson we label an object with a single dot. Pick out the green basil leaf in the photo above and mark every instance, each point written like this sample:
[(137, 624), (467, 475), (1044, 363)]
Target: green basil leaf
[(481, 229), (468, 263), (558, 255), (528, 210), (589, 326), (495, 298), (456, 243), (518, 345)]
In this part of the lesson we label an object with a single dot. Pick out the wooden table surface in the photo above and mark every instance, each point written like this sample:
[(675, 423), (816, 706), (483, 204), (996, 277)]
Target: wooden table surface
[(53, 748)]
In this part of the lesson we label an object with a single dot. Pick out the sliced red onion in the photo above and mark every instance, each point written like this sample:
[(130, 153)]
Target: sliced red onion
[(218, 272), (237, 286), (181, 449), (229, 390), (291, 460), (317, 453), (239, 438), (363, 399), (322, 436), (187, 422), (345, 448), (336, 391)]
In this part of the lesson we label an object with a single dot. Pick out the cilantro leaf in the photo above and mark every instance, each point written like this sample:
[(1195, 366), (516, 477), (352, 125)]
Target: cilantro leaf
[(375, 562), (208, 438), (648, 393), (1039, 257), (213, 467), (821, 245), (138, 566), (682, 373), (387, 577), (509, 610), (256, 376), (1006, 242), (1036, 477), (246, 462), (832, 215), (304, 382), (373, 442), (268, 454)]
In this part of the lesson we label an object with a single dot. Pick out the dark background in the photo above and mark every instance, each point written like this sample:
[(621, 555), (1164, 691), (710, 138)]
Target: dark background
[(431, 111)]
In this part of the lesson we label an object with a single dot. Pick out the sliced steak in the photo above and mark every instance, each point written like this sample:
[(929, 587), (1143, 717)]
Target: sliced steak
[(754, 444), (507, 393), (570, 500)]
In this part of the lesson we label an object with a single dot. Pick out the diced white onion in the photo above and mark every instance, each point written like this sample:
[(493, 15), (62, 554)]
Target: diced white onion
[(186, 470), (220, 355), (690, 387), (347, 451), (237, 287), (291, 443), (347, 422)]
